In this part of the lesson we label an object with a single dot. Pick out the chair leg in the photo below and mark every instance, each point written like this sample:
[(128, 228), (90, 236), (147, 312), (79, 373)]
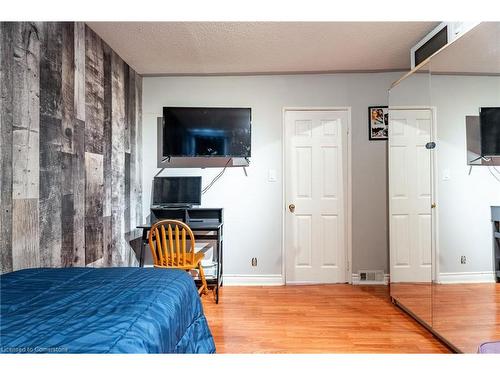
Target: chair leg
[(204, 287)]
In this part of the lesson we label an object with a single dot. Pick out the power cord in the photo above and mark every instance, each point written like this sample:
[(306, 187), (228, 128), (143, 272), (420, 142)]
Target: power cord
[(493, 174), (214, 180)]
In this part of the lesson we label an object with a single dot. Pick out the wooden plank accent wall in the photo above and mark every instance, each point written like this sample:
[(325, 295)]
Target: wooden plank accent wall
[(6, 98), (118, 110), (70, 148), (25, 144)]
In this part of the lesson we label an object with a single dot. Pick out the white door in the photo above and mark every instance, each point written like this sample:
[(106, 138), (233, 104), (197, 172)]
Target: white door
[(410, 222), (314, 194)]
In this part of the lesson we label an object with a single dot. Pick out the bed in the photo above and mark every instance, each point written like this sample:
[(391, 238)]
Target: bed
[(102, 310)]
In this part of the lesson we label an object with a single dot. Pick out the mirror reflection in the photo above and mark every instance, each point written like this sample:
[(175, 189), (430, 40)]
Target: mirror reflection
[(465, 90), (410, 198), (445, 201)]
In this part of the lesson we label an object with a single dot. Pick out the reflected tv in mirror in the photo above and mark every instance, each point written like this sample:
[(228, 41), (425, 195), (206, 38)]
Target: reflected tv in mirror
[(199, 131), (489, 118)]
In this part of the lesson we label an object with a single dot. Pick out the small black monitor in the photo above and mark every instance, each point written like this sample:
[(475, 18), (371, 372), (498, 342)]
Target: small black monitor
[(177, 191), (489, 119)]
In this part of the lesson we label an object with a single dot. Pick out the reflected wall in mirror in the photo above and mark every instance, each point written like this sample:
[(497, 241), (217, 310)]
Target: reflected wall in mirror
[(410, 217), (465, 77)]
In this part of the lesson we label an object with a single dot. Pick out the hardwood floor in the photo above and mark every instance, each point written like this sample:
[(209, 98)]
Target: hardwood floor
[(416, 297), (314, 319), (466, 314)]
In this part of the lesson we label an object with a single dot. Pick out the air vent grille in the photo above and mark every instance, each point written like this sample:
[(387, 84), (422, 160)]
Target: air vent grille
[(371, 277)]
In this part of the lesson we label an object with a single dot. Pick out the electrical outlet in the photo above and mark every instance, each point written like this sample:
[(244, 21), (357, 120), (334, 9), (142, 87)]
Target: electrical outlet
[(254, 262), (463, 259)]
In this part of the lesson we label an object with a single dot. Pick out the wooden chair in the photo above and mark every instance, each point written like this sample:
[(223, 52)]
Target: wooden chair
[(167, 240)]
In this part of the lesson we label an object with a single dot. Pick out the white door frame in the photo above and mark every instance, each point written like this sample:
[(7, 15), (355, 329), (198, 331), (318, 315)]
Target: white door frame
[(348, 195), (434, 189)]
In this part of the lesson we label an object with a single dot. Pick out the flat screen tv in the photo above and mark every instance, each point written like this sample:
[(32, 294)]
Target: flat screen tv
[(489, 119), (197, 131), (177, 191)]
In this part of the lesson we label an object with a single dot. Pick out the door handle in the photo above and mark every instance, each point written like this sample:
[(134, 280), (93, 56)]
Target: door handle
[(291, 207)]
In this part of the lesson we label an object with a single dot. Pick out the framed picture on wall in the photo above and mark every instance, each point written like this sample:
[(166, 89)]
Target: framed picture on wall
[(378, 123)]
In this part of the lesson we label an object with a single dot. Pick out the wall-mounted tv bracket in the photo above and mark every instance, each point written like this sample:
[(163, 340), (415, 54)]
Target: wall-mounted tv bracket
[(482, 158)]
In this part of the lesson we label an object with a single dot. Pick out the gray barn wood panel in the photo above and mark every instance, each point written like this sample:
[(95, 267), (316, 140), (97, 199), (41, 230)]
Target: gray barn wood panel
[(79, 64), (68, 86), (126, 209), (50, 191), (107, 144), (50, 144), (25, 108), (67, 209), (6, 81), (25, 253), (138, 153), (25, 145), (94, 92), (78, 169), (132, 109), (93, 207), (67, 155), (126, 123), (107, 241), (67, 243), (118, 157), (70, 148), (51, 69)]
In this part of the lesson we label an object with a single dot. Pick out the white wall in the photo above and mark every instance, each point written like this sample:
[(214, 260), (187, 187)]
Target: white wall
[(253, 206), (464, 201)]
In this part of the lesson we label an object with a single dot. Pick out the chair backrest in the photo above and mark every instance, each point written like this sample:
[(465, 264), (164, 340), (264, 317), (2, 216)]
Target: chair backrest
[(167, 241)]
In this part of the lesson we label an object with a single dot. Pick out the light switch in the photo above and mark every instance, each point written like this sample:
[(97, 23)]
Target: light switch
[(446, 174), (271, 175)]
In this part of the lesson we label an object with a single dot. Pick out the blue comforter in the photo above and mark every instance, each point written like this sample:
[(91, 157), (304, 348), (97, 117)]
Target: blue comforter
[(102, 310)]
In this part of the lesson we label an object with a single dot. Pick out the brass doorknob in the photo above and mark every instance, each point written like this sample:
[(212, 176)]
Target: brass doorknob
[(433, 205), (291, 207)]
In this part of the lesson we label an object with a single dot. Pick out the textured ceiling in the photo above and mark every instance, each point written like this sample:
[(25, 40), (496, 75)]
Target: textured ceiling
[(262, 47)]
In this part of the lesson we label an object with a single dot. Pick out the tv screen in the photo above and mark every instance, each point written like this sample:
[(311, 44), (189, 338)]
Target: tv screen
[(489, 118), (189, 131), (177, 191)]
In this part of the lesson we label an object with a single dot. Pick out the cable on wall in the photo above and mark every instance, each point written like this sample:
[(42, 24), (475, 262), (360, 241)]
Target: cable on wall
[(214, 180), (493, 174)]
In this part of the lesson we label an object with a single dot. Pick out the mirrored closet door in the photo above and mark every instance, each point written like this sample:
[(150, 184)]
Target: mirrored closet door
[(452, 228), (465, 85), (410, 193)]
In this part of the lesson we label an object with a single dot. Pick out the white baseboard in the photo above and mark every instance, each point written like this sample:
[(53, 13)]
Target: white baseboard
[(252, 280), (466, 277), (355, 280)]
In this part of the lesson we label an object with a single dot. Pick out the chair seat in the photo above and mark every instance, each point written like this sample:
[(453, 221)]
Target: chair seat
[(175, 264)]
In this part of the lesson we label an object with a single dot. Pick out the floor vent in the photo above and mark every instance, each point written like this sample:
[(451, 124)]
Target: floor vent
[(371, 277)]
